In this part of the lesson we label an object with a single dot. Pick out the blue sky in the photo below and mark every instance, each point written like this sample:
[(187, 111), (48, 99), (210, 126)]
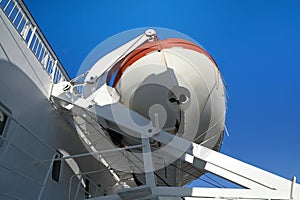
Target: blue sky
[(255, 43)]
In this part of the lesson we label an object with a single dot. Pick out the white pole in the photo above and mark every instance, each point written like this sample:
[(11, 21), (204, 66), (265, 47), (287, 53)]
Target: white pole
[(148, 164), (31, 37)]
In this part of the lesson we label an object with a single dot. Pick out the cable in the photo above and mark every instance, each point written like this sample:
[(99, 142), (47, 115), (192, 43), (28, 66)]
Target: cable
[(218, 186), (214, 181)]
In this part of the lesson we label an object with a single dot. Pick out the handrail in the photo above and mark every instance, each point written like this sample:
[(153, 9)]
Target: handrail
[(81, 176), (18, 14), (47, 177)]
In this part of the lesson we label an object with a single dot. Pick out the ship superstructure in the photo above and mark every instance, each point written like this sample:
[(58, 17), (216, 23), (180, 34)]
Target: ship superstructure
[(33, 132)]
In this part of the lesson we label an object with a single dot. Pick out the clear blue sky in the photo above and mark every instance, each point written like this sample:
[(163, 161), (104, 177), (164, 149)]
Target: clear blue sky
[(256, 44)]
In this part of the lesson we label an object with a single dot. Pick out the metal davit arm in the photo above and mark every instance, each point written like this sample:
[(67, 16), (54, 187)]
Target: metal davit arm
[(258, 184), (104, 109), (261, 184)]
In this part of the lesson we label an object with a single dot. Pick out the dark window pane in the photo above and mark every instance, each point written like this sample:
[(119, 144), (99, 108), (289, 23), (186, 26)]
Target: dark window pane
[(87, 188), (56, 167), (3, 119)]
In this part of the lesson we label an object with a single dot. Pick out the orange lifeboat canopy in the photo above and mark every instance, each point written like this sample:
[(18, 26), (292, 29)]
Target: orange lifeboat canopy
[(116, 72)]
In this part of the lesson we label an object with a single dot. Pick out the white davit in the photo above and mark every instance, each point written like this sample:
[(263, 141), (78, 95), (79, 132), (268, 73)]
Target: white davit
[(171, 82), (152, 111)]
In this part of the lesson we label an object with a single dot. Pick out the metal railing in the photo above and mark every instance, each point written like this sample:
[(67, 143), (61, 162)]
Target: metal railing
[(11, 143), (28, 29), (74, 188)]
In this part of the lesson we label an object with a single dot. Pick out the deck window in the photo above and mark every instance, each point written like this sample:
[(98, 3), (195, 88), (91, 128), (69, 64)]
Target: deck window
[(56, 167)]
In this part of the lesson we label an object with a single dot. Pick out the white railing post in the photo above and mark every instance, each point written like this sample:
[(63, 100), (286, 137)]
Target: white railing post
[(16, 16), (31, 37), (22, 17), (45, 60), (53, 71), (11, 11), (25, 30), (6, 5), (62, 77)]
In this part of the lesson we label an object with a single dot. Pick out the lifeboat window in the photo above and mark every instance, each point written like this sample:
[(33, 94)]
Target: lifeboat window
[(3, 120), (56, 167)]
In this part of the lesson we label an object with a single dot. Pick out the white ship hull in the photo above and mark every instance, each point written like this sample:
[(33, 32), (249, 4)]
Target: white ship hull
[(35, 130)]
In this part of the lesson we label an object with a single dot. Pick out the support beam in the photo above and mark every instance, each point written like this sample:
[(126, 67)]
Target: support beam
[(260, 184), (148, 164)]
